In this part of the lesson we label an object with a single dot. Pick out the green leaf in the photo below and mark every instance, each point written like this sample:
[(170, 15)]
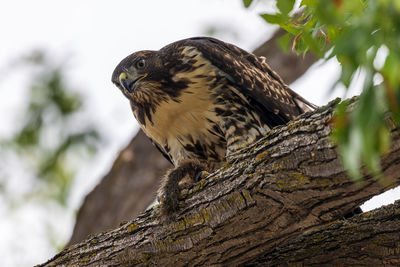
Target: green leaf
[(351, 153), (309, 2), (347, 73), (299, 45), (391, 69), (285, 6), (312, 44), (247, 3), (284, 42), (274, 19), (291, 27)]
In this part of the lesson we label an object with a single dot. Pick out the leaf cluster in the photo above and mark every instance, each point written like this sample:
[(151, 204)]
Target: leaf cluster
[(364, 36)]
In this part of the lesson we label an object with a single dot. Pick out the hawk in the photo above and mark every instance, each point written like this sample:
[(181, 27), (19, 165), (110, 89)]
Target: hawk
[(200, 99)]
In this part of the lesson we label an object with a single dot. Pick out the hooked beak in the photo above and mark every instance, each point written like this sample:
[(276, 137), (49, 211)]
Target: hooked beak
[(129, 84)]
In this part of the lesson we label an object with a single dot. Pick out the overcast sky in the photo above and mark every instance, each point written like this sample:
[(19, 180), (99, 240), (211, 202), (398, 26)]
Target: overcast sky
[(92, 37)]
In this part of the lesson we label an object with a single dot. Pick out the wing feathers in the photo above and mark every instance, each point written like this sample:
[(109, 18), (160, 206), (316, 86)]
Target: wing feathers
[(254, 78)]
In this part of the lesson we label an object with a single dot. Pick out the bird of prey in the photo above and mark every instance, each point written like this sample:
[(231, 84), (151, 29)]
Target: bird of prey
[(200, 99)]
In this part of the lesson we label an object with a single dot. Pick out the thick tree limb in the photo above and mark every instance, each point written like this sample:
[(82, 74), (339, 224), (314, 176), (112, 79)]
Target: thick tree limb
[(371, 239), (131, 184), (269, 197)]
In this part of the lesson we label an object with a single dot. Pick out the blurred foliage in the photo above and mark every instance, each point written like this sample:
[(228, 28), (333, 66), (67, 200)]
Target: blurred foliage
[(364, 36), (52, 141)]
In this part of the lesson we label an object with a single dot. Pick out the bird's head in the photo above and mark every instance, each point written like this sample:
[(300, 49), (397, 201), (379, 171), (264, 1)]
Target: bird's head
[(138, 75), (148, 78)]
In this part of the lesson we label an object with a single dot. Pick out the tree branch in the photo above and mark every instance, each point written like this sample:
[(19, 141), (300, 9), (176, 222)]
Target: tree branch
[(370, 239), (269, 195)]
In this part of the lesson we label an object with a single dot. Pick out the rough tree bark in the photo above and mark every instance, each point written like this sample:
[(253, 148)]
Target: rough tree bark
[(279, 202), (131, 184)]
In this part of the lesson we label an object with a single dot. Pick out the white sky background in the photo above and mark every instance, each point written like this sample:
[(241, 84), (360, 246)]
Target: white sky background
[(94, 36)]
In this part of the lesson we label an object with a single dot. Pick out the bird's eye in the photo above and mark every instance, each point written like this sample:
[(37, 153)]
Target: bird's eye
[(140, 64)]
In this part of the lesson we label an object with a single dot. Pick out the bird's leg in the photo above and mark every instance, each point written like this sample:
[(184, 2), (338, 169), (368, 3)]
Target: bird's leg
[(182, 176)]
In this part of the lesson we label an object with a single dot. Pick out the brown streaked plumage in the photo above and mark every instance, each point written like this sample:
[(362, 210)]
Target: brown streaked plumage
[(201, 99)]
